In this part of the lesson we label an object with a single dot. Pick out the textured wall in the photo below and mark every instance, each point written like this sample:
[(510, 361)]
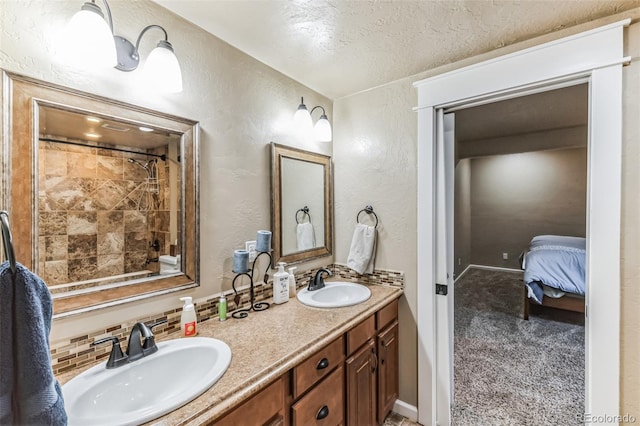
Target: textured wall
[(515, 197), (375, 163), (630, 250), (374, 151), (241, 105)]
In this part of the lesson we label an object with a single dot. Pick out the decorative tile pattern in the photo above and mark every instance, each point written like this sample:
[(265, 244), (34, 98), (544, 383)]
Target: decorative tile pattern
[(98, 215), (379, 276), (77, 351)]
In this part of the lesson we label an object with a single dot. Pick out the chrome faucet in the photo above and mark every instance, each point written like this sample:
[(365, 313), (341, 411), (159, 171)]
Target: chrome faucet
[(141, 343), (317, 282)]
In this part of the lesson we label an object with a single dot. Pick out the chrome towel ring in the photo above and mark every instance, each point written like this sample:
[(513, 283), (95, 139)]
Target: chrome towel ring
[(369, 210)]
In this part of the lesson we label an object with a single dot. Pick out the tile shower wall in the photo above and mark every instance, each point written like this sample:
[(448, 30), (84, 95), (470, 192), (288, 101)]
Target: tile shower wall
[(77, 352), (96, 215)]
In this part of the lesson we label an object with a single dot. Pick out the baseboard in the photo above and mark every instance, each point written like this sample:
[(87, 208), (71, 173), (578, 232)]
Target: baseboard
[(462, 273), (495, 268), (406, 410)]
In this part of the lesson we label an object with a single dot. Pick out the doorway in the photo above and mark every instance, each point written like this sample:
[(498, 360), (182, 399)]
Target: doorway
[(594, 57), (520, 171)]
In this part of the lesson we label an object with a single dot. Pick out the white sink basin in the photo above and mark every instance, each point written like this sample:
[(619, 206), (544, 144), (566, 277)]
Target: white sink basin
[(335, 294), (180, 371)]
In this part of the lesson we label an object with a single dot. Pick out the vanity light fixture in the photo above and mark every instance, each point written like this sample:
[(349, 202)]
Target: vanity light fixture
[(95, 41), (89, 38), (302, 120), (145, 129)]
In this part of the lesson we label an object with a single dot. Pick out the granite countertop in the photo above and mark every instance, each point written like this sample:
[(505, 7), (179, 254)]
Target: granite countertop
[(264, 346)]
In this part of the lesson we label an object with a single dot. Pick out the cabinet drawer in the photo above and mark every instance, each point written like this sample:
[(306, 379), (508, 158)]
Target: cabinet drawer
[(359, 334), (317, 366), (266, 407), (324, 405), (387, 314)]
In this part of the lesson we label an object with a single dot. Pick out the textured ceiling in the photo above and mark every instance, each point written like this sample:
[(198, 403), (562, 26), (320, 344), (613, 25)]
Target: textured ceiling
[(341, 47)]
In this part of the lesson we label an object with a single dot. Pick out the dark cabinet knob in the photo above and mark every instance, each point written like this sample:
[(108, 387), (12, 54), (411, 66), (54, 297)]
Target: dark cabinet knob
[(324, 363), (322, 413)]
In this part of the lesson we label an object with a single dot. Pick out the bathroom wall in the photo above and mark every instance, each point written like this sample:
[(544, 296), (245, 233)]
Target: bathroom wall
[(375, 149), (515, 197), (241, 105), (375, 163), (630, 238)]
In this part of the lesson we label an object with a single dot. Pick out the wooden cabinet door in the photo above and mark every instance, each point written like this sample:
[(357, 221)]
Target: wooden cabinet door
[(361, 386), (323, 405), (387, 370), (265, 408)]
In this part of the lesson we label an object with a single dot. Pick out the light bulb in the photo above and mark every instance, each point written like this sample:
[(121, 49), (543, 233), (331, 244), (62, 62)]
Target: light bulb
[(322, 130), (161, 71), (302, 118), (88, 40)]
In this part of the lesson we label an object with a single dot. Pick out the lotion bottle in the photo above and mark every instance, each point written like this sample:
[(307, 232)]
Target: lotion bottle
[(292, 282), (188, 320), (280, 285)]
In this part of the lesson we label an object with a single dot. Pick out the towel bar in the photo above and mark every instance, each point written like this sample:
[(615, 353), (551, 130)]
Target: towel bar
[(8, 241), (304, 210), (369, 210)]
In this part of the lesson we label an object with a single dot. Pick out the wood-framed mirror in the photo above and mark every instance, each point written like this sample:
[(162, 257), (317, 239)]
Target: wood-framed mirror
[(301, 204), (102, 195)]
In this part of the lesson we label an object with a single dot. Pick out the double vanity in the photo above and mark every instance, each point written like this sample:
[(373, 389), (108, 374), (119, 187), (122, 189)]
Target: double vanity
[(95, 217), (292, 364)]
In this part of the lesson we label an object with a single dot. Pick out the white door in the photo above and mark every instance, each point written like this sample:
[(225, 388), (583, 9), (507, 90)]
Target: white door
[(445, 172)]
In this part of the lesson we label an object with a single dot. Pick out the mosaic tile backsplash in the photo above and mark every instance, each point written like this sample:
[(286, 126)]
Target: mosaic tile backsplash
[(77, 352)]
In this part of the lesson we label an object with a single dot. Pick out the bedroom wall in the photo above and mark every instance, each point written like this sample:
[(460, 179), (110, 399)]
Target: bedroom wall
[(462, 216), (515, 197)]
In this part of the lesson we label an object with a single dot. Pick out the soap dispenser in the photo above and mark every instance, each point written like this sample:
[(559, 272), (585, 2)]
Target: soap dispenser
[(292, 282), (188, 320), (280, 285)]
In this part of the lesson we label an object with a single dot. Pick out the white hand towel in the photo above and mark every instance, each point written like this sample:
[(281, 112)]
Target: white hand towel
[(363, 249), (305, 236)]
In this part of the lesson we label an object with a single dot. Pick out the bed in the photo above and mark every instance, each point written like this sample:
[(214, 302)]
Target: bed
[(554, 273)]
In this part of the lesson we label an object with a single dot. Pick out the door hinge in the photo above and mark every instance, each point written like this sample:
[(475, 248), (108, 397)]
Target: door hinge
[(442, 289)]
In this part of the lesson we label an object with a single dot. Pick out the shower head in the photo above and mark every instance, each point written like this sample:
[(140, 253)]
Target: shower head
[(144, 166)]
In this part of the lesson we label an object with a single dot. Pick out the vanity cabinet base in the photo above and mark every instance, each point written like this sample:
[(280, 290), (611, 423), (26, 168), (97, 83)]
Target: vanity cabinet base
[(265, 408), (351, 381)]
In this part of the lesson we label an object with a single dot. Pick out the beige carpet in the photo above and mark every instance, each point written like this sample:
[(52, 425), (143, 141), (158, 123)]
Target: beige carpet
[(508, 371)]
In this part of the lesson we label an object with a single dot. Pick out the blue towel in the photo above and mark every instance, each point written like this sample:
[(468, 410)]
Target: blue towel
[(35, 398)]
